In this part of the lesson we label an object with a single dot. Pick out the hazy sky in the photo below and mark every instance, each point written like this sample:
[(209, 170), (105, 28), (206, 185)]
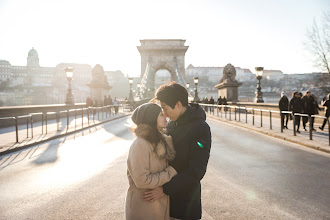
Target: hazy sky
[(245, 33)]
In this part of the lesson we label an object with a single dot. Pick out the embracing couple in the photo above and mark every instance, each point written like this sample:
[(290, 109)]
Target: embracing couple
[(167, 161)]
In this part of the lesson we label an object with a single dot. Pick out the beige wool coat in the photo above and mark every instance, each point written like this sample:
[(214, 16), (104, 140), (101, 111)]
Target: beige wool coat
[(147, 168)]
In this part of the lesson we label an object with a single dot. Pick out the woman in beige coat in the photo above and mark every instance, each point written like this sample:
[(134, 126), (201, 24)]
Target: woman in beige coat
[(147, 164)]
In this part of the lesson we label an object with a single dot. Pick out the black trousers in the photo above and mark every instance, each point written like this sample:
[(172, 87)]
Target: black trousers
[(297, 121), (283, 116), (325, 120), (305, 120)]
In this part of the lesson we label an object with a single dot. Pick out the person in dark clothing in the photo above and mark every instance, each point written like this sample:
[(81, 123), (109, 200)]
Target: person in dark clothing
[(191, 137), (219, 102), (296, 106), (284, 106), (310, 107), (211, 102), (326, 103)]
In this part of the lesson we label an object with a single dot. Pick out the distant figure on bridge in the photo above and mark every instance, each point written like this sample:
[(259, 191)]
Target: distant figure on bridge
[(211, 102), (109, 100), (219, 102), (326, 103), (224, 102), (205, 101), (116, 105), (296, 106), (310, 107), (89, 102), (147, 164), (284, 106), (192, 143)]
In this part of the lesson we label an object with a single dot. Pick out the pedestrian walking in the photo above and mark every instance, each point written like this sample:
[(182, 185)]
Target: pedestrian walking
[(219, 102), (310, 107), (284, 106), (116, 105), (326, 104), (211, 102), (89, 102), (147, 164), (296, 106)]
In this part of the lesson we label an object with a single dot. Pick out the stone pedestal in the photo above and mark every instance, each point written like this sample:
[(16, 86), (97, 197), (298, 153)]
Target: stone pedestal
[(99, 86), (228, 90), (228, 85)]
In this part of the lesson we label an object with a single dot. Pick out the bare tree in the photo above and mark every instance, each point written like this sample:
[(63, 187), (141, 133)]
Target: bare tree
[(318, 42)]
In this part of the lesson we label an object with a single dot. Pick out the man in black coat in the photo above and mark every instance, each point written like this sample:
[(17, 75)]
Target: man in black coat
[(284, 106), (192, 142)]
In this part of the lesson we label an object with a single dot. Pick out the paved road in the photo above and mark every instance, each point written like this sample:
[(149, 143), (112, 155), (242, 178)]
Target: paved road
[(250, 176)]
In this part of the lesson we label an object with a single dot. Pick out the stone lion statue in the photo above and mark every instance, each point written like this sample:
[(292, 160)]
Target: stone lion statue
[(229, 74), (98, 73)]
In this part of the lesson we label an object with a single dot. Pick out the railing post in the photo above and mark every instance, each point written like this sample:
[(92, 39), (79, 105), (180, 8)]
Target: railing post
[(16, 125), (246, 115), (239, 113), (27, 127), (42, 123), (282, 124), (88, 115), (67, 119), (253, 116), (294, 125), (46, 122), (31, 120), (98, 114), (235, 112), (310, 128), (260, 117), (82, 116), (225, 109), (270, 120), (75, 119), (58, 120), (93, 115), (229, 114)]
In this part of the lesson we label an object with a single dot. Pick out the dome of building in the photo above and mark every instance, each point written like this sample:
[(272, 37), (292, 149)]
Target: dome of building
[(5, 63), (33, 53)]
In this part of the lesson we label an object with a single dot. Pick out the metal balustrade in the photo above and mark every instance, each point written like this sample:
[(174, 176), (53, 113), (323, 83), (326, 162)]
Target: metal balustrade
[(227, 109), (101, 113)]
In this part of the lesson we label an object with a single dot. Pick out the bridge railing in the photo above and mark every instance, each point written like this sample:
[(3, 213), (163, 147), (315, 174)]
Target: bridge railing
[(55, 119), (232, 112)]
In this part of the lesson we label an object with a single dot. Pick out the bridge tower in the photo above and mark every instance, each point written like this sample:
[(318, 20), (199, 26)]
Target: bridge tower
[(166, 54)]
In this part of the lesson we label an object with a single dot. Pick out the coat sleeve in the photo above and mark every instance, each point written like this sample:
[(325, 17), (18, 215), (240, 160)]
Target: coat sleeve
[(198, 159), (138, 164)]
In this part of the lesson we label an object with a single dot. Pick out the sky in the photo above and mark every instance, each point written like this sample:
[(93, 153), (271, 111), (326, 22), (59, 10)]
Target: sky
[(245, 33)]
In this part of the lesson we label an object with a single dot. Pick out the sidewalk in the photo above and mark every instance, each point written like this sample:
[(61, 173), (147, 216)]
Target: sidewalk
[(8, 135), (320, 139)]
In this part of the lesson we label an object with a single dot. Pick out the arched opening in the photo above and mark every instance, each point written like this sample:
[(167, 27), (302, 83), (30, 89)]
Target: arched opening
[(162, 76)]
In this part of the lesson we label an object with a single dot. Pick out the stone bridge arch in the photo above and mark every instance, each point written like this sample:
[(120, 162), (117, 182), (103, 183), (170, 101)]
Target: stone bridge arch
[(161, 54)]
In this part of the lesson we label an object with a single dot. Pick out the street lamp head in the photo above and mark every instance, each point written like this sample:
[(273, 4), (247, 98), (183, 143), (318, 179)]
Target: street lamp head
[(187, 86), (259, 71), (69, 72), (196, 80), (130, 81)]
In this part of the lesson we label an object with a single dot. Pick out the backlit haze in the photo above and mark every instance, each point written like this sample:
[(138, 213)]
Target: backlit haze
[(245, 33)]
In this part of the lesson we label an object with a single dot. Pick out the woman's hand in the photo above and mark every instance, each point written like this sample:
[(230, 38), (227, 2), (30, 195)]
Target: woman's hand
[(153, 195)]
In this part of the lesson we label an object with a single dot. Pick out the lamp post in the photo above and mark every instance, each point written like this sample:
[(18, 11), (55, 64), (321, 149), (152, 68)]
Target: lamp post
[(187, 86), (130, 97), (258, 97), (69, 95), (196, 99)]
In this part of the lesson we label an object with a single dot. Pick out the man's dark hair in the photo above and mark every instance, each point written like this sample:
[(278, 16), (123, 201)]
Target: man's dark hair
[(171, 93)]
